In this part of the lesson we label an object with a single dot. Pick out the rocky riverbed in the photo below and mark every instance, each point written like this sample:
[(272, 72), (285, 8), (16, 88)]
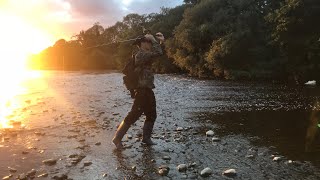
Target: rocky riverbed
[(205, 129)]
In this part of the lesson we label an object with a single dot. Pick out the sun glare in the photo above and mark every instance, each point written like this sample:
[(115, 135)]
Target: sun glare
[(18, 39)]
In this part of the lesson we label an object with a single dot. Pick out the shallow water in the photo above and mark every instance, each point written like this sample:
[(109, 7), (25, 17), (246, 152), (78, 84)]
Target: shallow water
[(269, 117)]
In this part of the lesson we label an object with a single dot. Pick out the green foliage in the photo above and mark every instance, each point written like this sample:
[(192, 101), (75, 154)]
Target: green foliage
[(295, 31), (230, 39)]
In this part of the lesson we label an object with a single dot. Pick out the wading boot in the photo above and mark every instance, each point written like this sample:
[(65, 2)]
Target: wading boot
[(121, 131), (147, 131)]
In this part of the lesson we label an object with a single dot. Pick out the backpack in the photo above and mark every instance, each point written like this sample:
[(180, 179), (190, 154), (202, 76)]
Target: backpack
[(130, 78)]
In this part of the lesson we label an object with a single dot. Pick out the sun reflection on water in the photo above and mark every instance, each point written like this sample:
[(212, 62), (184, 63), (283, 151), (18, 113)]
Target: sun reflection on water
[(14, 84)]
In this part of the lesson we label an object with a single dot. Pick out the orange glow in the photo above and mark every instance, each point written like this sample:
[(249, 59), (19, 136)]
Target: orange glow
[(18, 39)]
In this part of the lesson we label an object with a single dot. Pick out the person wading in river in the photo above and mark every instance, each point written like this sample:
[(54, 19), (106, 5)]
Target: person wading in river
[(144, 101)]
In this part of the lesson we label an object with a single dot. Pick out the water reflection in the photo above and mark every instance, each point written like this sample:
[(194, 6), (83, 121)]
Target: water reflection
[(313, 128), (283, 130), (13, 85)]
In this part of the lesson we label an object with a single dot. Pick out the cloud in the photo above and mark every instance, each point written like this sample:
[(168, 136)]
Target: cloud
[(67, 17)]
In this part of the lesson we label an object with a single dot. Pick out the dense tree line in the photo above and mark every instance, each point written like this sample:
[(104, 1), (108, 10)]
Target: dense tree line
[(229, 39)]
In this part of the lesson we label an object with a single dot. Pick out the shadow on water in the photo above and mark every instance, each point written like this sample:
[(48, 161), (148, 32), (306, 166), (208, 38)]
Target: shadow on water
[(283, 131)]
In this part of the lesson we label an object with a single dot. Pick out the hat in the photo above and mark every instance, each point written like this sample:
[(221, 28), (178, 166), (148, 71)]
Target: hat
[(141, 39)]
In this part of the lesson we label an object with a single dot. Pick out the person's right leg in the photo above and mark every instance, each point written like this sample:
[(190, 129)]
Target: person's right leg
[(132, 117), (150, 111)]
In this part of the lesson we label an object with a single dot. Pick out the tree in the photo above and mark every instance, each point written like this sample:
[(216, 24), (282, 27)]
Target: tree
[(295, 30)]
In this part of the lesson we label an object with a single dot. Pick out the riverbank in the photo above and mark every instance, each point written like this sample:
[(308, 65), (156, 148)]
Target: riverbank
[(71, 120)]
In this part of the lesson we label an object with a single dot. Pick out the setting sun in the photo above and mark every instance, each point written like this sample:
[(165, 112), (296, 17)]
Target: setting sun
[(18, 40)]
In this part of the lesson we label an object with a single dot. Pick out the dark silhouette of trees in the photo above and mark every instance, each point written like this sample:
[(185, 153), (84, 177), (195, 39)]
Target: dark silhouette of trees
[(230, 39)]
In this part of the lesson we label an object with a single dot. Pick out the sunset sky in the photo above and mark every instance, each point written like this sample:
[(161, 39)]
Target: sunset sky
[(32, 25)]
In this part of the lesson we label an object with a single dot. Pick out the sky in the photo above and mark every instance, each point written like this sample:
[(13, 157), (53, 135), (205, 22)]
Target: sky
[(57, 19)]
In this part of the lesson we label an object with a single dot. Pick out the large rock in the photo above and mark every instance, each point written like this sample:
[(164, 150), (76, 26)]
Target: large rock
[(206, 172)]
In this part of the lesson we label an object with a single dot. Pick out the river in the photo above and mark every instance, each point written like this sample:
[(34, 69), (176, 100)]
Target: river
[(258, 119)]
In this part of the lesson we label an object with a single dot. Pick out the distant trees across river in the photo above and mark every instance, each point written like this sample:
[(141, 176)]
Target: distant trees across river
[(227, 39)]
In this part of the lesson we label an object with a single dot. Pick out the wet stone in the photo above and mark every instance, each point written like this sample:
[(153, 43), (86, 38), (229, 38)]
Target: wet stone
[(167, 158), (43, 175), (49, 162), (12, 170), (87, 163), (210, 133), (163, 170), (129, 136), (193, 164), (25, 152), (22, 177), (31, 173), (39, 133), (7, 177), (182, 167), (276, 159), (250, 156), (206, 172), (216, 139), (230, 173), (60, 177)]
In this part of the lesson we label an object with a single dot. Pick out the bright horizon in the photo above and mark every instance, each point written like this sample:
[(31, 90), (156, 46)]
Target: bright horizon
[(31, 26)]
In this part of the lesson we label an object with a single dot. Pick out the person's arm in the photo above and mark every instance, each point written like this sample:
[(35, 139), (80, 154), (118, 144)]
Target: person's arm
[(156, 51)]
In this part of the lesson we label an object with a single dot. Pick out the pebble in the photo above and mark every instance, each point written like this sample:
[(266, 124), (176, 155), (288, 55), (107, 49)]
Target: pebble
[(12, 170), (276, 159), (182, 167), (49, 162), (193, 164), (250, 156), (179, 129), (134, 168), (60, 177), (163, 170), (216, 139), (206, 172), (31, 173), (129, 136), (39, 133), (166, 158), (87, 163), (105, 175), (25, 152), (210, 133), (230, 172), (7, 177), (43, 175), (22, 177), (98, 144)]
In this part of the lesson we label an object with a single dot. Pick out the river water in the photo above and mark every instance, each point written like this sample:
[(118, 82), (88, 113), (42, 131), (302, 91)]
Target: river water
[(276, 117)]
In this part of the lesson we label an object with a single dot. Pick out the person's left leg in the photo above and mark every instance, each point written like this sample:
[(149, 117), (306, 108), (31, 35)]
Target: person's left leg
[(132, 117), (151, 114)]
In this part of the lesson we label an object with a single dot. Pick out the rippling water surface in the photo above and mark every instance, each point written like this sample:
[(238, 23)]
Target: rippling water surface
[(272, 115)]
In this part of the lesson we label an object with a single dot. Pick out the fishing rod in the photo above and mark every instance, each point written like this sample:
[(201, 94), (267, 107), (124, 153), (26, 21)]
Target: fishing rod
[(108, 44)]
